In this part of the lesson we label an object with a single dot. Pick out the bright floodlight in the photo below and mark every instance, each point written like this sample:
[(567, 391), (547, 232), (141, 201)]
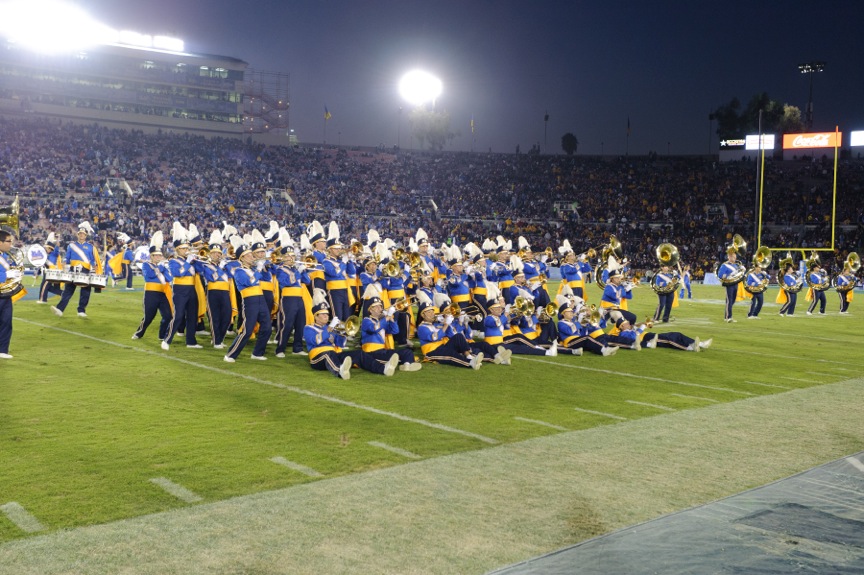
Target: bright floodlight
[(419, 87), (50, 26)]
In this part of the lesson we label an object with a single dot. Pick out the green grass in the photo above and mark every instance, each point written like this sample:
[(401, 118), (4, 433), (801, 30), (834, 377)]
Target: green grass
[(88, 417)]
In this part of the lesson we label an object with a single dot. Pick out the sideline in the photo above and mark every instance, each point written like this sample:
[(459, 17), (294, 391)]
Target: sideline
[(291, 388)]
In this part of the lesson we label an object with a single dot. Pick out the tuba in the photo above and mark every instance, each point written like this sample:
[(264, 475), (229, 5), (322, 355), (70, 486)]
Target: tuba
[(667, 255), (850, 268), (614, 249), (10, 221), (762, 259), (738, 246), (799, 280), (823, 280)]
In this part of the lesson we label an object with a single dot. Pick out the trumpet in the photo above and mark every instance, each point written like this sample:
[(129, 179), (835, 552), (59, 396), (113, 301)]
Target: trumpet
[(405, 303), (310, 260), (204, 252), (590, 316), (356, 248), (276, 257)]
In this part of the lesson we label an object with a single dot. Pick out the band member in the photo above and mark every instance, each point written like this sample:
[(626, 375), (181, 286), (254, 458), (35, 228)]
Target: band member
[(458, 289), (727, 273), (393, 279), (263, 271), (325, 345), (219, 289), (475, 270), (575, 336), (293, 314), (614, 294), (665, 281), (335, 276), (377, 330), (686, 277), (317, 244), (185, 297), (571, 271), (255, 310), (52, 263), (8, 273), (126, 261), (498, 327), (756, 280), (157, 290), (498, 271), (674, 340), (791, 281), (845, 283), (440, 341), (80, 256), (818, 282)]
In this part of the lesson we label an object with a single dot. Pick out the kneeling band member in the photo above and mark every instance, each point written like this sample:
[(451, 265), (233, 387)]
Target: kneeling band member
[(377, 331)]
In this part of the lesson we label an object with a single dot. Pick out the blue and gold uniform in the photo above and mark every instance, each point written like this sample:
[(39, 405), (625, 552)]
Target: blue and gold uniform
[(665, 280), (756, 280), (157, 295), (293, 313), (255, 311), (219, 287), (80, 256), (185, 298), (51, 263), (727, 273)]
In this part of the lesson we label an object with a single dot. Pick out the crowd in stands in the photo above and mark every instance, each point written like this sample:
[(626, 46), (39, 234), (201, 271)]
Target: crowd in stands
[(61, 172)]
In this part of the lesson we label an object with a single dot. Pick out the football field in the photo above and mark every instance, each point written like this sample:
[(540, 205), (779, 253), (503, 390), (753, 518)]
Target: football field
[(120, 457)]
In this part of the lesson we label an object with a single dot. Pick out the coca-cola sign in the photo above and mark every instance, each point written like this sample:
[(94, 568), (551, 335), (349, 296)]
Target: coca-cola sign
[(815, 140)]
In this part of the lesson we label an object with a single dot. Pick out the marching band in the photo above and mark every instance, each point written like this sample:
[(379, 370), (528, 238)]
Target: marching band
[(474, 304)]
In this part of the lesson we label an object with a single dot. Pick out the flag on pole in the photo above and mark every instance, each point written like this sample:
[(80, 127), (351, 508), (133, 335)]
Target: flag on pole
[(327, 114), (472, 123)]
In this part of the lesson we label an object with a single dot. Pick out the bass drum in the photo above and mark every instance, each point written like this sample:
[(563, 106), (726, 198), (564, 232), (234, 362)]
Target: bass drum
[(142, 254), (36, 255)]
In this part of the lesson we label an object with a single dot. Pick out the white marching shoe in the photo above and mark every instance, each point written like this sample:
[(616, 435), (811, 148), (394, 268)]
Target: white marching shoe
[(705, 344), (165, 345), (390, 366), (345, 369), (553, 349), (477, 361)]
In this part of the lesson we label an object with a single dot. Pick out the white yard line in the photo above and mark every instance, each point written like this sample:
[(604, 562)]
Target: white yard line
[(855, 463), (694, 397), (543, 423), (592, 412), (396, 450), (654, 405), (22, 518), (176, 490), (279, 460), (291, 388), (767, 384)]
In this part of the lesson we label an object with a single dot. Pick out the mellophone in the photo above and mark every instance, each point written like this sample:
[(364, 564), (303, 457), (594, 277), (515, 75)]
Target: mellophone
[(82, 279)]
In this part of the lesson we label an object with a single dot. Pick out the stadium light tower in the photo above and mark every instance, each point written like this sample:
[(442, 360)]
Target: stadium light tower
[(418, 87), (810, 68)]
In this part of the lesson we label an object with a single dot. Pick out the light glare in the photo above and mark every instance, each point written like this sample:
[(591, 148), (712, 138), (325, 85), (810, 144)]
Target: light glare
[(419, 87)]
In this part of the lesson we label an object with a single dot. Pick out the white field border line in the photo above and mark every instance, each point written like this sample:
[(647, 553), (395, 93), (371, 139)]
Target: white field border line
[(795, 357), (772, 333), (823, 373), (543, 423), (634, 375), (855, 463), (279, 460), (694, 397), (176, 490), (21, 517), (768, 385), (291, 388), (654, 405), (396, 450), (618, 417)]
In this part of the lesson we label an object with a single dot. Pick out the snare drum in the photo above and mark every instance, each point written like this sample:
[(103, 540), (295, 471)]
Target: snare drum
[(81, 279), (54, 275), (98, 280)]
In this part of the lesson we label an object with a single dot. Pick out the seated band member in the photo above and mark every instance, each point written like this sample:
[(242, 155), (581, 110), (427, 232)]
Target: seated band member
[(614, 295), (498, 328), (325, 344), (377, 330), (439, 340), (157, 287), (255, 310), (674, 340), (80, 256), (574, 335)]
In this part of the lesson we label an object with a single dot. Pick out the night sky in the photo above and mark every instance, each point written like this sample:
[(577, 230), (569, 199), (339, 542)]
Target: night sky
[(591, 65)]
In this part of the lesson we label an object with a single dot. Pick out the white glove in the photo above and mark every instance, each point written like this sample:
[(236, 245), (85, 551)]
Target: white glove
[(463, 318), (543, 258), (448, 319), (507, 309), (222, 264), (260, 265), (300, 267), (190, 258), (345, 258), (439, 318), (534, 286), (13, 274), (391, 311), (335, 322)]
